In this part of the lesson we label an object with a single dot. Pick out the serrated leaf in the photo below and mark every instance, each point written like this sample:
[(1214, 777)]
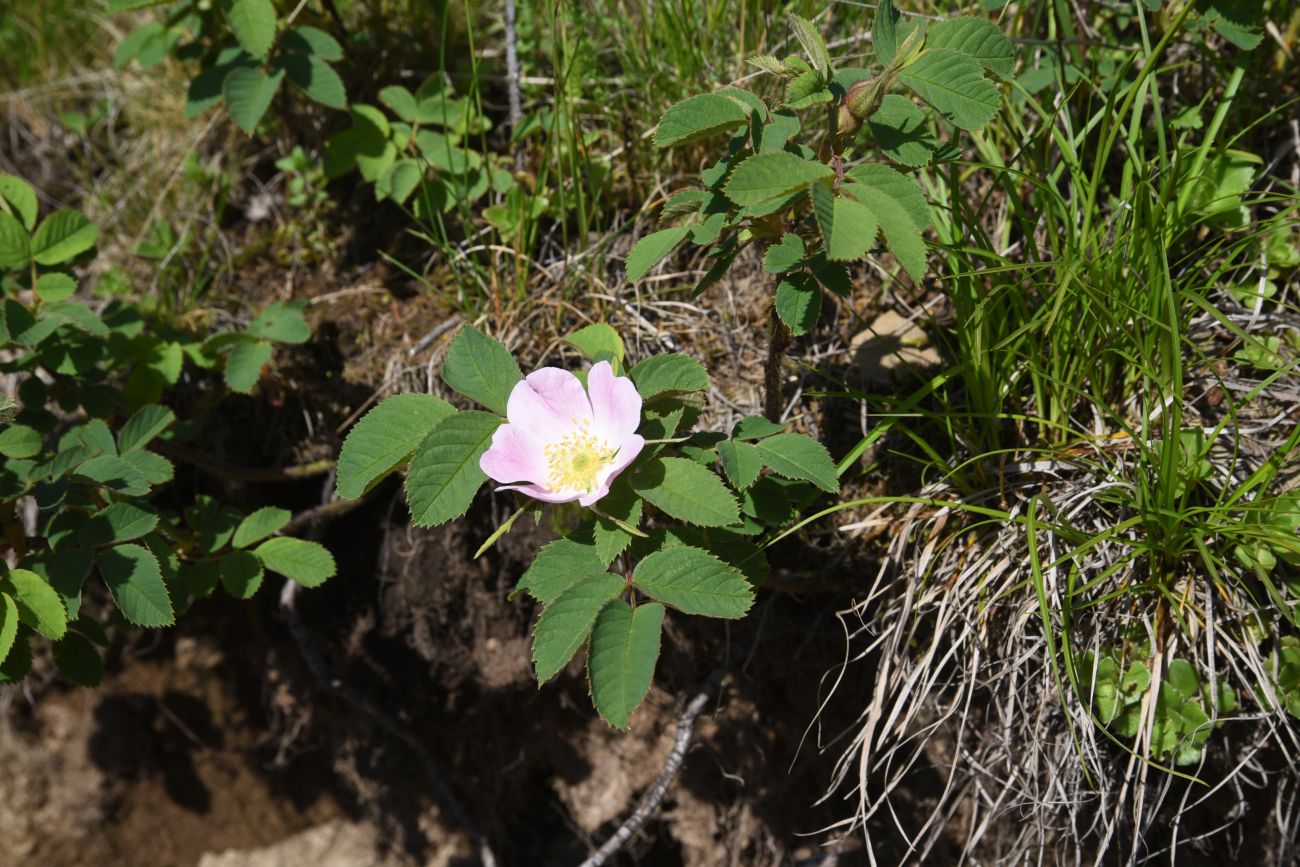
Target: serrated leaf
[(481, 369), (314, 77), (852, 232), (55, 286), (902, 131), (954, 85), (619, 510), (20, 441), (115, 473), (899, 206), (248, 92), (384, 438), (253, 23), (143, 426), (155, 468), (240, 573), (308, 563), (244, 364), (312, 40), (444, 473), (885, 32), (566, 622), (753, 427), (694, 582), (685, 490), (402, 102), (649, 250), (699, 117), (133, 577), (557, 567), (21, 199), (596, 340), (400, 180), (119, 522), (39, 606), (8, 624), (280, 323), (978, 39), (813, 44), (621, 658), (670, 372), (799, 303), (785, 255), (62, 237), (763, 178), (740, 462), (15, 247), (259, 525), (796, 456), (772, 137), (79, 661)]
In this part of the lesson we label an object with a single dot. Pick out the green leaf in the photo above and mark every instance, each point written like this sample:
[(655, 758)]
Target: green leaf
[(134, 579), (444, 474), (596, 340), (754, 427), (253, 23), (400, 180), (39, 606), (902, 131), (21, 199), (241, 573), (308, 563), (8, 624), (796, 456), (259, 525), (699, 117), (557, 567), (280, 323), (311, 40), (20, 441), (647, 252), (314, 77), (55, 286), (765, 177), (900, 207), (15, 249), (143, 426), (566, 622), (62, 237), (621, 658), (955, 85), (481, 369), (671, 372), (694, 582), (1183, 678), (248, 92), (786, 255), (741, 463), (402, 102), (799, 303), (119, 522), (853, 231), (79, 661), (885, 32), (620, 510), (115, 473), (772, 137), (978, 39), (244, 364), (813, 44), (1237, 21), (685, 490), (384, 438), (155, 469), (128, 5)]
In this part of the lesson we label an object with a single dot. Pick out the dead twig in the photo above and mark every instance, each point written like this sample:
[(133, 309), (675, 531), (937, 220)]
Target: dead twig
[(512, 79)]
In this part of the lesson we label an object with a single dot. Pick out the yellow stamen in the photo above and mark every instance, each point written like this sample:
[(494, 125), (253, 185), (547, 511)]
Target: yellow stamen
[(573, 463)]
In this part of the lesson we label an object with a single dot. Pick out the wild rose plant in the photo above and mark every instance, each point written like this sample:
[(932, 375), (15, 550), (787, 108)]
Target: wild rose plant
[(661, 516)]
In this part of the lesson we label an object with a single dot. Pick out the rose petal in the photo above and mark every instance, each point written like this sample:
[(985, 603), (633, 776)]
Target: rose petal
[(513, 457), (546, 403), (631, 448), (615, 405), (539, 493)]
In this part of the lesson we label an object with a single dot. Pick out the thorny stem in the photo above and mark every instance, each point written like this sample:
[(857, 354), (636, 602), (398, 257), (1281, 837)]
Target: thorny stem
[(773, 394)]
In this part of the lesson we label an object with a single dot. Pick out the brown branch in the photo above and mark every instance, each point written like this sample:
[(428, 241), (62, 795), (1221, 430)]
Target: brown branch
[(234, 473), (654, 796), (773, 392)]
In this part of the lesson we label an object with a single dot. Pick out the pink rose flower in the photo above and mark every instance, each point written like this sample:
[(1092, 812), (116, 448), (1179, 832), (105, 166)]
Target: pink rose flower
[(561, 443)]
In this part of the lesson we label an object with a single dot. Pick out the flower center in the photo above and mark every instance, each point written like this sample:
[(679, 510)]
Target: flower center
[(573, 462)]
